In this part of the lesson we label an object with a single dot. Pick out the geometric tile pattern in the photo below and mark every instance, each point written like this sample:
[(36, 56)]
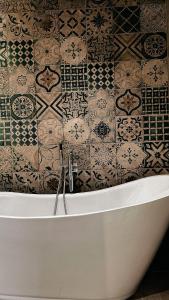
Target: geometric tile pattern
[(21, 53), (5, 111), (155, 100), (101, 76), (156, 128), (153, 17), (128, 102), (129, 129), (128, 46), (5, 136), (154, 45), (157, 155), (24, 132), (3, 54), (74, 105), (72, 22), (100, 49), (126, 19), (74, 77), (99, 22)]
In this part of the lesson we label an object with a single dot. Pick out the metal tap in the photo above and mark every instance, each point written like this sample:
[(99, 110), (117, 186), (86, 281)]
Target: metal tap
[(72, 170)]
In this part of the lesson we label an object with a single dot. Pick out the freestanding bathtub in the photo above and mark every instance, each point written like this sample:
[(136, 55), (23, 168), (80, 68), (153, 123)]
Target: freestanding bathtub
[(100, 250)]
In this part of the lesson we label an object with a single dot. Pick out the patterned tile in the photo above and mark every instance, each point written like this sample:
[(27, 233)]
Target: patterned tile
[(157, 155), (5, 109), (72, 22), (127, 74), (81, 155), (73, 50), (155, 73), (83, 181), (21, 53), (74, 78), (130, 155), (6, 160), (128, 102), (155, 100), (2, 26), (154, 45), (23, 106), (76, 131), (49, 182), (99, 22), (101, 76), (49, 105), (102, 130), (100, 49), (101, 179), (156, 128), (125, 2), (103, 156), (49, 159), (6, 182), (47, 51), (21, 80), (50, 132), (25, 158), (17, 27), (44, 4), (5, 135), (125, 175), (48, 78), (129, 129), (3, 54), (24, 132), (128, 46), (153, 17), (72, 4), (26, 182), (126, 19), (4, 81), (74, 105), (155, 171)]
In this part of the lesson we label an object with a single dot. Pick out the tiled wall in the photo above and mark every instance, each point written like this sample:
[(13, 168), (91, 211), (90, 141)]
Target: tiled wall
[(92, 73)]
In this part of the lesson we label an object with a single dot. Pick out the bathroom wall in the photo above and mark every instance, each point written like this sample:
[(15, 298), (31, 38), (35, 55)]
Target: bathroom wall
[(92, 74)]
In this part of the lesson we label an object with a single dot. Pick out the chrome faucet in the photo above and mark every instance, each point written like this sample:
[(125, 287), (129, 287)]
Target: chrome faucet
[(72, 170)]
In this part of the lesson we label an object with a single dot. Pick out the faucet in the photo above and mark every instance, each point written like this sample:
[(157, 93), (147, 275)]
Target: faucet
[(72, 167)]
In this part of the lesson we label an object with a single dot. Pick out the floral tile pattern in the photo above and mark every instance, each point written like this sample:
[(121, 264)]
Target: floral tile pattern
[(103, 156), (49, 158), (23, 106), (47, 51), (48, 79), (73, 50), (50, 132), (76, 131), (130, 156), (155, 73), (6, 159), (154, 45), (74, 105), (128, 74), (129, 129), (21, 80), (100, 49), (99, 22), (4, 81), (26, 182), (25, 158), (153, 17), (128, 102)]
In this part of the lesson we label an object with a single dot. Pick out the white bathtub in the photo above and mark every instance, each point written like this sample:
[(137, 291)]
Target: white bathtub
[(101, 250)]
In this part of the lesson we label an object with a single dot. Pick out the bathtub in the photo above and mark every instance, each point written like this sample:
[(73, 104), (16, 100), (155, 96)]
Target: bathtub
[(100, 250)]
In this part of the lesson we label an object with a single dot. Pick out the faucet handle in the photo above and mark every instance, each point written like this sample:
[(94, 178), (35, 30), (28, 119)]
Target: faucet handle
[(75, 168)]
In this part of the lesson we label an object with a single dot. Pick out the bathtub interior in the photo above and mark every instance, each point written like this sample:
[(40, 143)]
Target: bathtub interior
[(128, 194)]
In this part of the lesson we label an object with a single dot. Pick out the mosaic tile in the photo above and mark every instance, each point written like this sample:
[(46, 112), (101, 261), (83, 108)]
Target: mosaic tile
[(76, 131), (6, 159), (21, 53), (73, 50), (155, 100), (49, 105), (23, 106), (49, 159), (72, 4), (5, 136), (24, 132), (129, 129), (130, 155), (100, 49), (17, 27), (154, 45), (83, 181), (156, 128), (102, 179), (99, 22), (3, 54), (21, 80), (125, 175), (103, 156), (6, 182), (126, 19), (128, 46), (5, 109), (127, 74), (4, 81), (102, 130), (81, 155), (101, 76), (128, 102), (74, 78), (157, 155), (48, 79), (155, 73), (50, 132), (74, 105), (26, 182), (153, 17), (72, 22), (47, 51), (25, 158), (49, 182)]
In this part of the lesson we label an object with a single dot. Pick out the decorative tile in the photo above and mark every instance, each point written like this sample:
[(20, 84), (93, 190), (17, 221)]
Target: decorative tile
[(155, 73), (101, 76), (125, 175), (50, 132), (101, 179), (24, 132), (157, 155), (26, 182), (83, 181), (16, 27), (154, 45), (4, 81), (21, 80), (128, 102), (4, 6), (127, 74), (5, 109), (49, 105), (125, 2), (126, 19), (128, 46), (81, 155), (103, 156), (156, 128), (155, 100), (97, 3), (155, 171), (2, 26), (25, 158), (5, 135), (49, 182), (100, 49), (99, 22), (73, 50), (72, 22), (102, 130), (49, 159), (76, 131), (48, 79), (21, 53), (47, 51), (129, 129), (74, 78), (44, 4), (6, 182), (5, 159), (153, 17), (130, 156), (74, 105), (3, 54), (72, 4), (23, 106)]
